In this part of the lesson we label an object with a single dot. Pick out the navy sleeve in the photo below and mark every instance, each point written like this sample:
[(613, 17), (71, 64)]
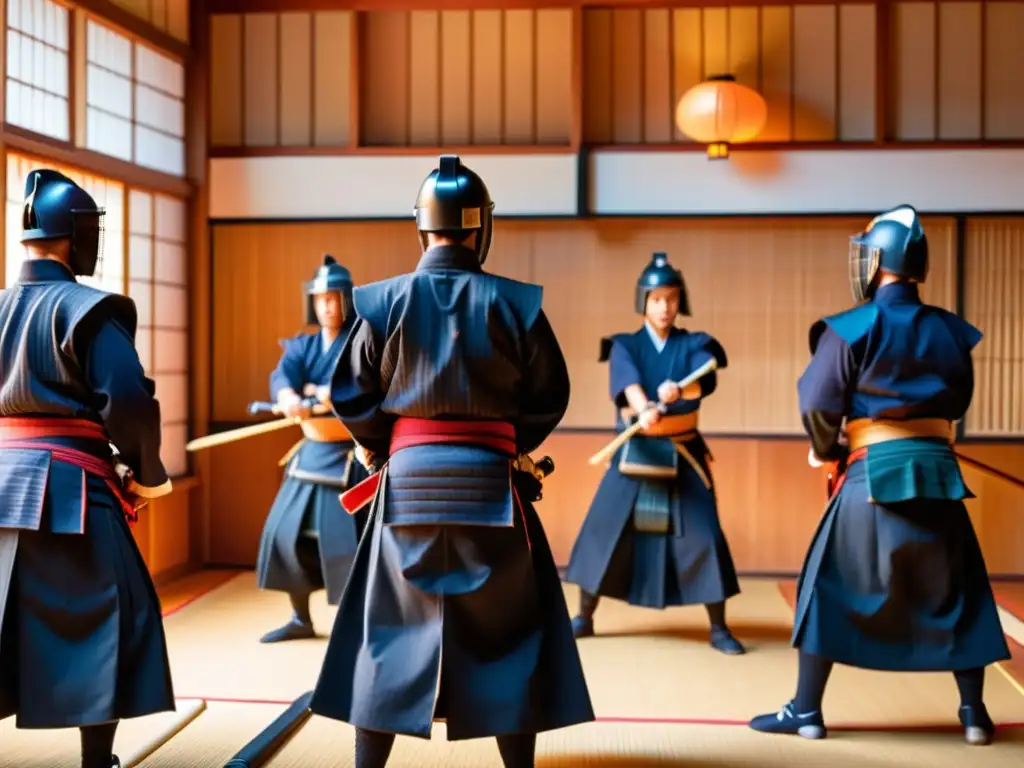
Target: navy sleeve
[(356, 394), (545, 388), (290, 370), (129, 409), (824, 391), (709, 381), (622, 372)]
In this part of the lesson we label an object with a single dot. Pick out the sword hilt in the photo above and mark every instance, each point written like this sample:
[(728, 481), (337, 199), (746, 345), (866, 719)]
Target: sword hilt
[(262, 406)]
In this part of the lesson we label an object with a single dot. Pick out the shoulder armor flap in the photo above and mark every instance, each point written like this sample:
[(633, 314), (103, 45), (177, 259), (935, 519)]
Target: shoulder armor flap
[(711, 345), (86, 300), (851, 326), (960, 328), (610, 341), (525, 299), (373, 302)]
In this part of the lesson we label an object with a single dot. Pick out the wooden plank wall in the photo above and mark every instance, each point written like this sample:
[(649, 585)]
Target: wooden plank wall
[(851, 72), (771, 501), (295, 79), (762, 320), (170, 16)]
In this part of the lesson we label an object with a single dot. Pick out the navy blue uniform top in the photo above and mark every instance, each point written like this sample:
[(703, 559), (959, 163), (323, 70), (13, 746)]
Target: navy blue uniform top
[(890, 358), (305, 361), (633, 358)]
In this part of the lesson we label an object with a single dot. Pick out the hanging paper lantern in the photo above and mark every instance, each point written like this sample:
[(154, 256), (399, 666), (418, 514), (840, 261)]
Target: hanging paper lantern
[(720, 112)]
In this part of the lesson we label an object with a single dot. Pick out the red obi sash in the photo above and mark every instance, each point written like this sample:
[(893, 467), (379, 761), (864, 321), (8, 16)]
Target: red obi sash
[(31, 433), (837, 475), (409, 433)]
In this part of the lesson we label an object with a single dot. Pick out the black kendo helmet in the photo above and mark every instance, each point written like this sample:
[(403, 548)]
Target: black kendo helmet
[(330, 276), (894, 241), (660, 274), (57, 208), (455, 200)]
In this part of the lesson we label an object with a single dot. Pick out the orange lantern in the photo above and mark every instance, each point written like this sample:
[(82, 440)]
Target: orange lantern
[(720, 112)]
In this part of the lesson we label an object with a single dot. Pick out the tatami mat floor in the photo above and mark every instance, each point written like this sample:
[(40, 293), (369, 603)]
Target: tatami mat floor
[(662, 696)]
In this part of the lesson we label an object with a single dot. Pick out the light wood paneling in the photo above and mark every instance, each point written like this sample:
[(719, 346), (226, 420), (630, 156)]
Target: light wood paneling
[(170, 16), (295, 36), (281, 79), (162, 532), (1004, 63), (813, 64), (954, 71), (769, 500), (502, 77), (778, 272), (994, 301), (226, 119)]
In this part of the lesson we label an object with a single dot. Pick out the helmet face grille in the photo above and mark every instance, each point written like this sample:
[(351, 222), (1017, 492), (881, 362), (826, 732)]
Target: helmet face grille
[(863, 265)]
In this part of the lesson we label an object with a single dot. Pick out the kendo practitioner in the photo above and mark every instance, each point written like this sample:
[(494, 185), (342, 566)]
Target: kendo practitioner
[(308, 542), (454, 610), (894, 578), (81, 638), (652, 536)]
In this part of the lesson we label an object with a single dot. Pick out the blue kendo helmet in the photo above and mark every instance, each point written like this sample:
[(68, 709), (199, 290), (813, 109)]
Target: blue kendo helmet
[(330, 276), (895, 242), (660, 274)]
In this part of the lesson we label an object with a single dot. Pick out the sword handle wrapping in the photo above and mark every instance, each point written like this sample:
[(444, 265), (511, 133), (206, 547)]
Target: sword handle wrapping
[(262, 406)]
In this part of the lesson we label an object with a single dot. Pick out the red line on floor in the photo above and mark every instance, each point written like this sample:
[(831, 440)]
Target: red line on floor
[(941, 727)]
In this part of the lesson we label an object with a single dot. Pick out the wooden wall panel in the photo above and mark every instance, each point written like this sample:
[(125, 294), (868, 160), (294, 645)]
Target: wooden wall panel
[(954, 71), (296, 81), (812, 64), (518, 84), (226, 81), (163, 534), (333, 54), (170, 16), (281, 79), (769, 500), (912, 98), (777, 72), (858, 61), (777, 281), (261, 89), (384, 78), (814, 73), (959, 91), (456, 77), (1004, 63), (488, 81), (994, 301), (424, 78)]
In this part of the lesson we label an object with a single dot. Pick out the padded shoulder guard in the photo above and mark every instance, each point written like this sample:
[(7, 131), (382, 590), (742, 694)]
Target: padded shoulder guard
[(525, 299), (609, 341), (960, 328), (296, 343), (375, 302), (851, 326), (711, 345)]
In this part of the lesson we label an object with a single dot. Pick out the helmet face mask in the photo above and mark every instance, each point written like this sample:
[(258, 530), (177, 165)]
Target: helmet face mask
[(893, 242), (864, 261)]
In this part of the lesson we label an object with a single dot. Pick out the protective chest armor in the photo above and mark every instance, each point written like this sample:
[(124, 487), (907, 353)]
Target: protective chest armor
[(40, 371)]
